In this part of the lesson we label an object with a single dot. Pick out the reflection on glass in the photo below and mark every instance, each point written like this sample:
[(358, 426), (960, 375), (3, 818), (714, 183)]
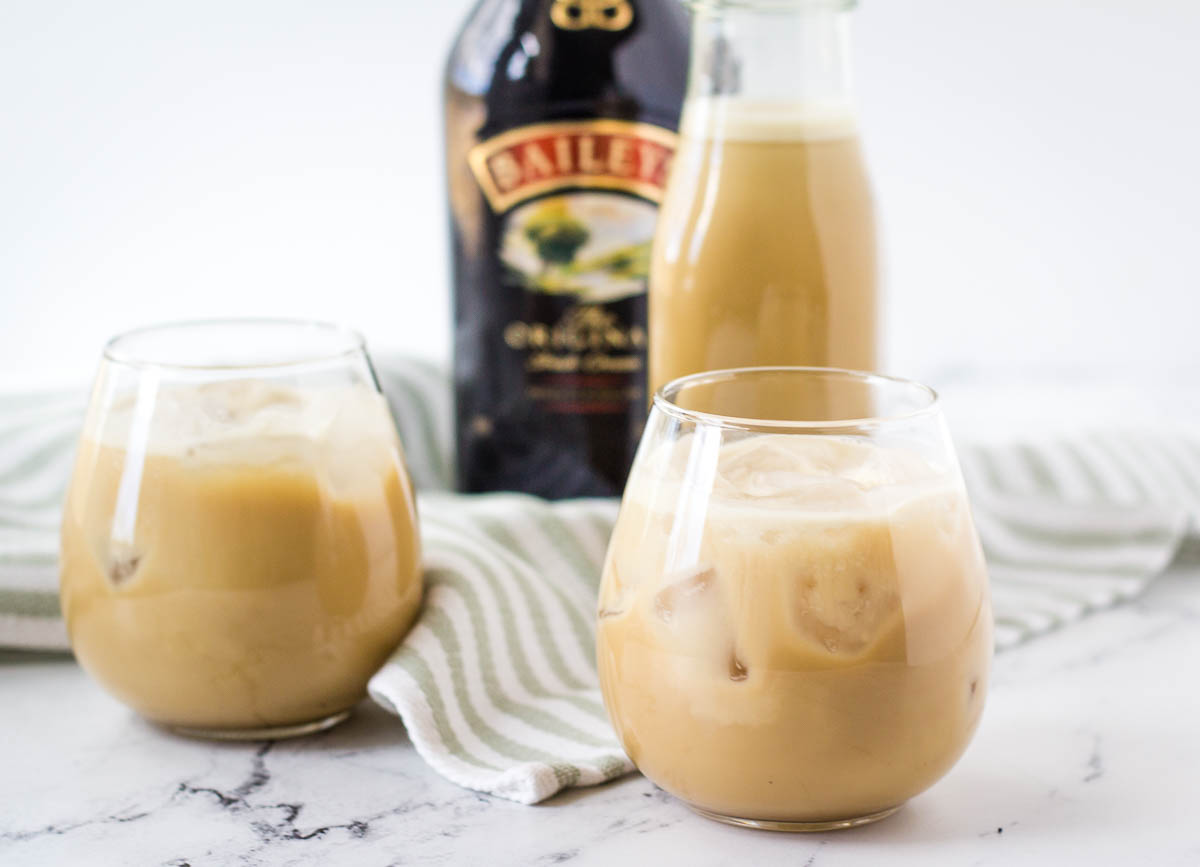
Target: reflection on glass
[(794, 622), (239, 549)]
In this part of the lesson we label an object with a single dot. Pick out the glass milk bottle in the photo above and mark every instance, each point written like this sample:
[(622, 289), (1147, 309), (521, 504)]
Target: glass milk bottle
[(765, 252)]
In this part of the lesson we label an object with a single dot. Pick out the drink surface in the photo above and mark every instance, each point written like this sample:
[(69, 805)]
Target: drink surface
[(765, 252), (251, 564), (812, 610), (560, 120)]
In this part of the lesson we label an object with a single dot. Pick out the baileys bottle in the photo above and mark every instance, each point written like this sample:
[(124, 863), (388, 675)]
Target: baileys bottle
[(560, 130)]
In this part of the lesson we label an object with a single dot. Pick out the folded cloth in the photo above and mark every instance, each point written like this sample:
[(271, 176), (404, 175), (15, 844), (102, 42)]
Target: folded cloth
[(37, 446), (496, 682), (1071, 526)]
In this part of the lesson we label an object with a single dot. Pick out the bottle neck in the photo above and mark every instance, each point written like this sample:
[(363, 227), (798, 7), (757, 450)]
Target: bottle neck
[(769, 58)]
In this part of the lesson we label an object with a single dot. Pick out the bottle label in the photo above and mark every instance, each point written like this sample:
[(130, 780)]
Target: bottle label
[(577, 204), (588, 14), (599, 154)]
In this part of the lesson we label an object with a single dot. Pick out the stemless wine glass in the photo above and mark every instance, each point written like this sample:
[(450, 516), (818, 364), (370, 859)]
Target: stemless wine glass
[(239, 546), (794, 620)]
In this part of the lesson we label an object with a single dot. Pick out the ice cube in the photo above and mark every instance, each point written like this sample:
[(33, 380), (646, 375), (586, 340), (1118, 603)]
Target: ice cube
[(737, 670), (815, 472), (701, 625), (743, 465), (846, 591), (612, 601), (123, 563), (683, 592)]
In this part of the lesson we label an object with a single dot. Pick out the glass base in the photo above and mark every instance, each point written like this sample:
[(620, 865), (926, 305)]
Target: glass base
[(801, 827), (267, 733)]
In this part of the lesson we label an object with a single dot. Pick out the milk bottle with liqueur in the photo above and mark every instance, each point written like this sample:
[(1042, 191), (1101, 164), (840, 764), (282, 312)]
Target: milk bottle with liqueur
[(766, 249), (560, 130)]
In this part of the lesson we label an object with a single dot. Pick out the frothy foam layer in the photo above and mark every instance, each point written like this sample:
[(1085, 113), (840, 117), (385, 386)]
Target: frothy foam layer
[(816, 477), (737, 119), (247, 419)]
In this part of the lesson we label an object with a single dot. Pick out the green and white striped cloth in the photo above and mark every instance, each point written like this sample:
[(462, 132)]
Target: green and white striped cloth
[(496, 683), (37, 445)]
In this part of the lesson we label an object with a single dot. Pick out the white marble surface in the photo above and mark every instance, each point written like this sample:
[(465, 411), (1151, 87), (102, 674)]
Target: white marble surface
[(1089, 753)]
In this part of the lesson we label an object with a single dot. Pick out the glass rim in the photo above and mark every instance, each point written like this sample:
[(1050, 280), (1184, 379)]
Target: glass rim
[(117, 351), (664, 400)]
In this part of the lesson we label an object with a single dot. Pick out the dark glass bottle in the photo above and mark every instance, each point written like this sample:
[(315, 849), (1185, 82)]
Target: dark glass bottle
[(560, 127)]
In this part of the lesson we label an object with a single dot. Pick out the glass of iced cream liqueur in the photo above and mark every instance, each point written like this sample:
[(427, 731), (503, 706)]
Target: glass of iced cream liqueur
[(794, 622), (239, 546)]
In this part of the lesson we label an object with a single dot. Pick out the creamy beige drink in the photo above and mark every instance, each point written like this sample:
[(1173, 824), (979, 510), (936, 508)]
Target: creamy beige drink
[(808, 642), (765, 252), (240, 555)]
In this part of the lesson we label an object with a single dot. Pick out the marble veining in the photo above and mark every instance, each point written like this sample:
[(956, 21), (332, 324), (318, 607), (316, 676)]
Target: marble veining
[(1087, 755), (1095, 762)]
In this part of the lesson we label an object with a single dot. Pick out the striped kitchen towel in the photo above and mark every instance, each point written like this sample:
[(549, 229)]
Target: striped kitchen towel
[(37, 445), (496, 682), (1072, 526)]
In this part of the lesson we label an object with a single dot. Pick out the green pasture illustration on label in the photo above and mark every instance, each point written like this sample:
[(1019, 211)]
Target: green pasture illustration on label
[(594, 246)]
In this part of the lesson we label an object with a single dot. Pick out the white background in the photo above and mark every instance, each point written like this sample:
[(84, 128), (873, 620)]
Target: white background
[(1035, 161)]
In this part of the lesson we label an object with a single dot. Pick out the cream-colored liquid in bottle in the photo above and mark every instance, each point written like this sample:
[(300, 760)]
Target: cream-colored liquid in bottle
[(253, 566), (812, 645), (765, 252)]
